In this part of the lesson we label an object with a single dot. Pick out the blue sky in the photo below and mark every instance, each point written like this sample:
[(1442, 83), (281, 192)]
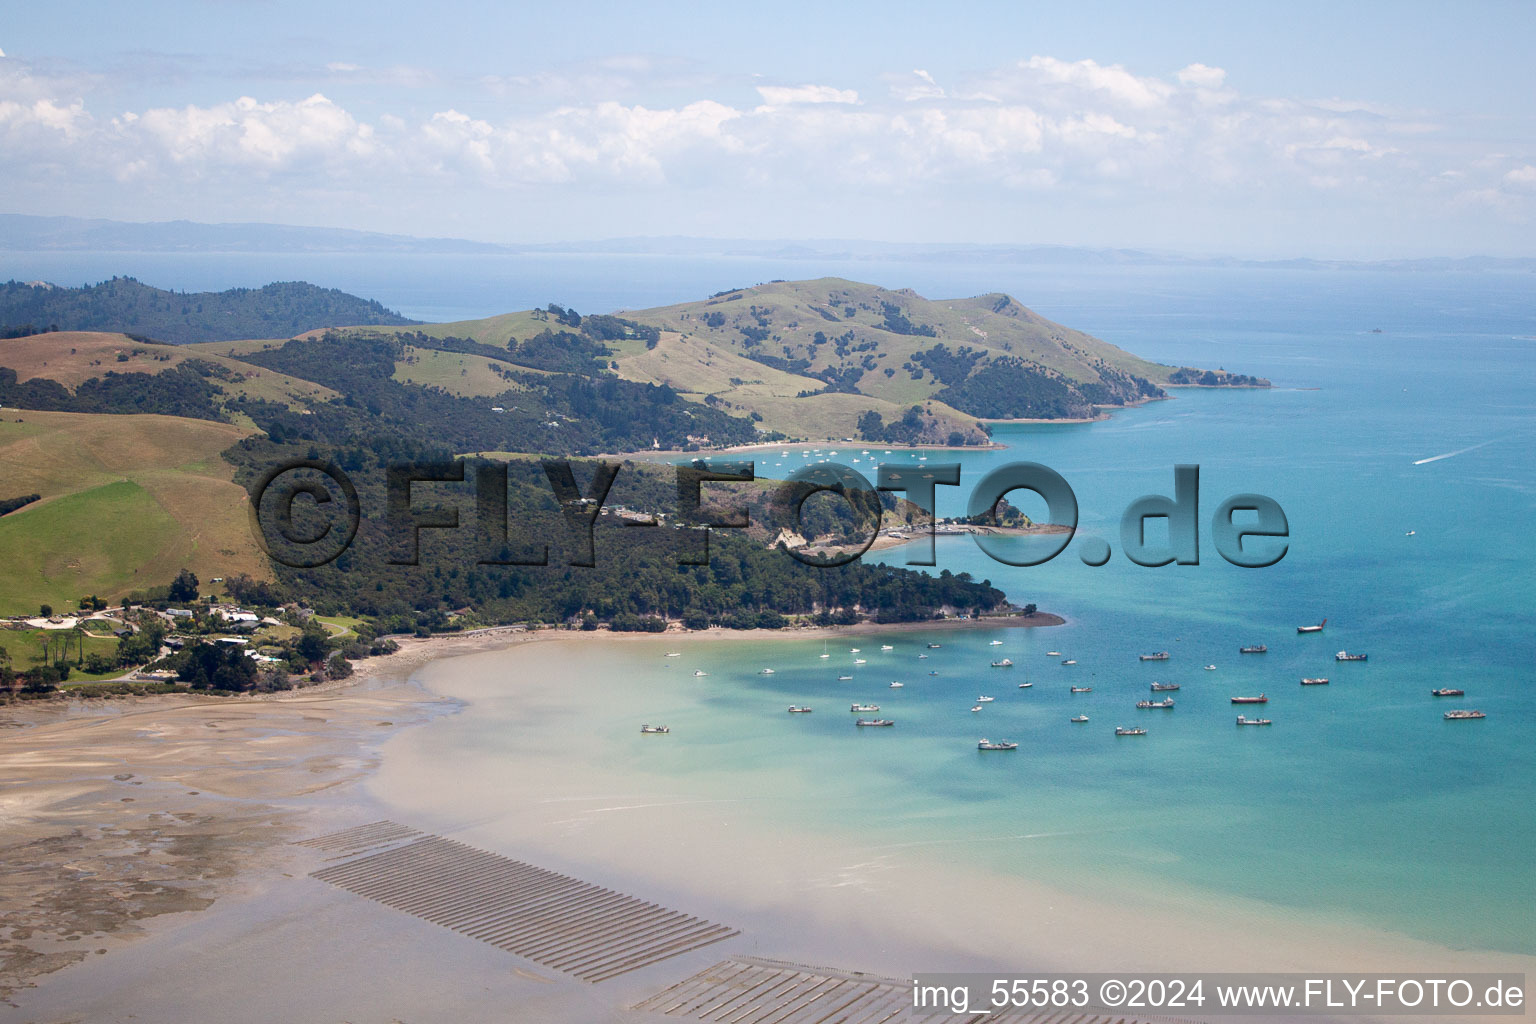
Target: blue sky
[(1369, 130)]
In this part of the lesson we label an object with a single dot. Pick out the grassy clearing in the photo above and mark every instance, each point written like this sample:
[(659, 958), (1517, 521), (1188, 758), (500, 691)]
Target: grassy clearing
[(454, 372), (26, 650)]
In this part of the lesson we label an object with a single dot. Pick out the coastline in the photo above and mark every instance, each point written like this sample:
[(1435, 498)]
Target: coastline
[(845, 900)]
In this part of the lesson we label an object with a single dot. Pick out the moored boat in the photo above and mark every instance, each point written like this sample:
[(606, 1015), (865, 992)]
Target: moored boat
[(1053, 654), (1120, 731), (1166, 702), (887, 647), (844, 679), (995, 643), (1082, 689), (1346, 656), (1005, 663), (932, 647), (1312, 629), (985, 700), (1159, 656), (699, 672), (1210, 668), (1260, 699), (871, 708), (1079, 719), (1253, 721), (975, 707), (1313, 681), (1463, 713), (895, 685), (766, 672), (1255, 649), (1070, 661), (1025, 686), (1447, 692), (652, 730), (862, 722), (796, 709), (1160, 687), (999, 745), (674, 654)]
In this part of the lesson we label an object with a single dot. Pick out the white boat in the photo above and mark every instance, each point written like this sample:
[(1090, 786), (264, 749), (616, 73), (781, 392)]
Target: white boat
[(887, 647), (1253, 721), (999, 745), (1082, 689), (844, 679), (873, 721), (861, 661), (985, 700), (853, 650), (1025, 686), (864, 707), (796, 709), (1079, 719), (1005, 663), (1210, 668), (700, 672), (976, 707), (895, 685), (995, 643), (1166, 702), (920, 657), (824, 653), (1070, 661), (766, 672), (651, 730), (1053, 654), (674, 654), (933, 646), (1129, 732)]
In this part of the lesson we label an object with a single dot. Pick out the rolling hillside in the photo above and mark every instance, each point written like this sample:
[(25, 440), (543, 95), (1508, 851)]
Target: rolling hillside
[(126, 502), (815, 359)]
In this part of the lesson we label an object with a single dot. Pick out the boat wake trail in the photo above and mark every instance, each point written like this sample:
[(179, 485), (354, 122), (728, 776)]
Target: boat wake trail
[(1452, 455)]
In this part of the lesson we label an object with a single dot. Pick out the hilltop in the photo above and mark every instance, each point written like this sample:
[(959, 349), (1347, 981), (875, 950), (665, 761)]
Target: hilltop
[(835, 358), (278, 310)]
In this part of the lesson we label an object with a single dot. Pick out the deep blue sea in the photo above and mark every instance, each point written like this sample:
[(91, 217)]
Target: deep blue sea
[(1403, 461)]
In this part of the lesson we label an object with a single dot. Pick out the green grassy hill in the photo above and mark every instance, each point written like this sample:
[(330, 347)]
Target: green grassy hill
[(127, 502), (813, 359)]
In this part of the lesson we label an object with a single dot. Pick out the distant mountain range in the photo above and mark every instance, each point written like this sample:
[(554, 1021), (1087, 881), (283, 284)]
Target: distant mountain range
[(26, 233)]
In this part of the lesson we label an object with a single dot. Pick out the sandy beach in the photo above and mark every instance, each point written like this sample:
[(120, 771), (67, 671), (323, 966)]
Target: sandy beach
[(153, 877)]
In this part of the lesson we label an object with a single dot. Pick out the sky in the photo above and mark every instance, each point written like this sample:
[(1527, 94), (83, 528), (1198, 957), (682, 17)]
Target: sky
[(1365, 130)]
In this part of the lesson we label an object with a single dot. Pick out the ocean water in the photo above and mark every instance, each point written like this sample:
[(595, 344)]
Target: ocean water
[(1360, 801)]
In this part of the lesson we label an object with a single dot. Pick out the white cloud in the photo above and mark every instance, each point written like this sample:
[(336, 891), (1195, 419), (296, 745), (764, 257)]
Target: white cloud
[(1202, 76), (783, 96), (1522, 177)]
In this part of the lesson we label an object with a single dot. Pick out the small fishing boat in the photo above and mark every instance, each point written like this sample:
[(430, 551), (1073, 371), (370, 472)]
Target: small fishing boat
[(985, 700), (1025, 686), (864, 707), (1255, 649), (1119, 731), (1253, 721), (1160, 687), (861, 661), (999, 745), (887, 647), (1070, 661), (1082, 689), (1210, 668), (933, 647), (766, 672), (1447, 692), (1079, 719), (1053, 654), (1346, 656), (853, 650), (1166, 702), (699, 672), (844, 679), (674, 654), (796, 709), (895, 685), (1314, 681), (976, 707), (1159, 656), (1312, 629), (1260, 699), (1457, 715), (921, 657), (933, 672), (652, 730), (1005, 663), (863, 722), (995, 643)]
